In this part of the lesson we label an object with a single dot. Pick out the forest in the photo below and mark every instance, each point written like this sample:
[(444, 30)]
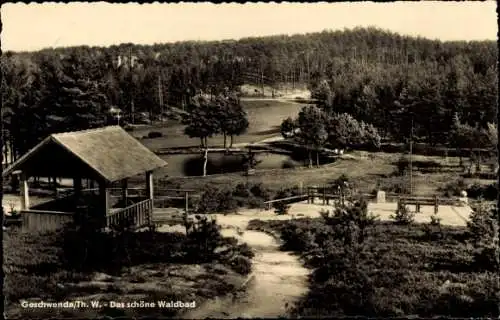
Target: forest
[(390, 81)]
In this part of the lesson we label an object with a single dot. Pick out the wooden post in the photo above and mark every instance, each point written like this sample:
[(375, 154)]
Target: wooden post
[(24, 189), (149, 184), (436, 205), (187, 202), (105, 200), (124, 192), (150, 194), (77, 185)]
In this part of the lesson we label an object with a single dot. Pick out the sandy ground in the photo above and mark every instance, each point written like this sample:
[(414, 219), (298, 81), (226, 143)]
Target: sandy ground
[(279, 277), (450, 215), (276, 281)]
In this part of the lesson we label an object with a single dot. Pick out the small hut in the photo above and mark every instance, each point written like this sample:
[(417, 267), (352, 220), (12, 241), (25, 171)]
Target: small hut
[(106, 158)]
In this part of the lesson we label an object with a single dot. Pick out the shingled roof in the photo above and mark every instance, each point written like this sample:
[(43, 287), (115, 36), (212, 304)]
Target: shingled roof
[(109, 152)]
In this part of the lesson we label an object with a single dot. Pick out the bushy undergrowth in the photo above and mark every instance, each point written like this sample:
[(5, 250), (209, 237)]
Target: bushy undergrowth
[(453, 188), (226, 200), (154, 134), (398, 270), (36, 265), (483, 229), (474, 191), (488, 192), (33, 267), (403, 215), (217, 200), (282, 207), (289, 164)]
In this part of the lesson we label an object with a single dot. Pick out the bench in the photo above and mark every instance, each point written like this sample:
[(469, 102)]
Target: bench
[(420, 202)]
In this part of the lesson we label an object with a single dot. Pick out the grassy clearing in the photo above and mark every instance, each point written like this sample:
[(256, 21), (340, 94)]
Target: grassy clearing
[(368, 171), (147, 266), (264, 116), (402, 271)]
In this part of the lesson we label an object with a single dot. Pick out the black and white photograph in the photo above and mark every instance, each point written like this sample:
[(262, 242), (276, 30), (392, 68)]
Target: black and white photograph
[(255, 160)]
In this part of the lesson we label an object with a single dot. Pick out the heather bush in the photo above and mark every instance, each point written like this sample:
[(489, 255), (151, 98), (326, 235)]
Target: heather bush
[(244, 197), (203, 238), (40, 265), (241, 190), (350, 221), (396, 273), (289, 164), (483, 224), (435, 220), (341, 182), (433, 229), (33, 268), (297, 238), (259, 191), (489, 192), (254, 203), (216, 200), (225, 200), (403, 215), (282, 207), (293, 191), (454, 188), (155, 134), (484, 232), (241, 264)]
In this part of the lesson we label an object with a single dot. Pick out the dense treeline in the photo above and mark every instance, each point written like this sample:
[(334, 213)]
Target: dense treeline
[(430, 94), (376, 76)]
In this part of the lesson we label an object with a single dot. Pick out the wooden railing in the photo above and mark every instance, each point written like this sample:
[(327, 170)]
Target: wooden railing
[(268, 204), (138, 215), (325, 194), (45, 220)]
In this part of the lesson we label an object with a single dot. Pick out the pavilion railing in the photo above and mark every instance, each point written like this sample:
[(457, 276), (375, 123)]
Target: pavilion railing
[(137, 215), (45, 220)]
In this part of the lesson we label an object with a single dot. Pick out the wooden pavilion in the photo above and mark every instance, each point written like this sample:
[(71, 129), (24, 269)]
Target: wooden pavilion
[(105, 157)]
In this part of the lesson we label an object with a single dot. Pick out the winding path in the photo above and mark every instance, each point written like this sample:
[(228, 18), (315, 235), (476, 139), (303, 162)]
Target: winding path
[(278, 278)]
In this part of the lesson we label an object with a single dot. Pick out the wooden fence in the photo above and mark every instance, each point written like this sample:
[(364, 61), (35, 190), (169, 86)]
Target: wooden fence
[(325, 194), (42, 220), (138, 214), (293, 199)]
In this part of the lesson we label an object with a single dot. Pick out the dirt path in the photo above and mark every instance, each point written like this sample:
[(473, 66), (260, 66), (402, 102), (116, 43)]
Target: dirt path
[(277, 279), (277, 137)]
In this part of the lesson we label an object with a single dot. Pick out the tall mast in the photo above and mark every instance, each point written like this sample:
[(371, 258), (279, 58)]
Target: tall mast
[(411, 129), (132, 111), (160, 92)]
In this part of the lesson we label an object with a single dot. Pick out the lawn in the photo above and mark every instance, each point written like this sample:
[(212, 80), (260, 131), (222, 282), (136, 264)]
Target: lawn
[(401, 271), (367, 171), (264, 116)]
